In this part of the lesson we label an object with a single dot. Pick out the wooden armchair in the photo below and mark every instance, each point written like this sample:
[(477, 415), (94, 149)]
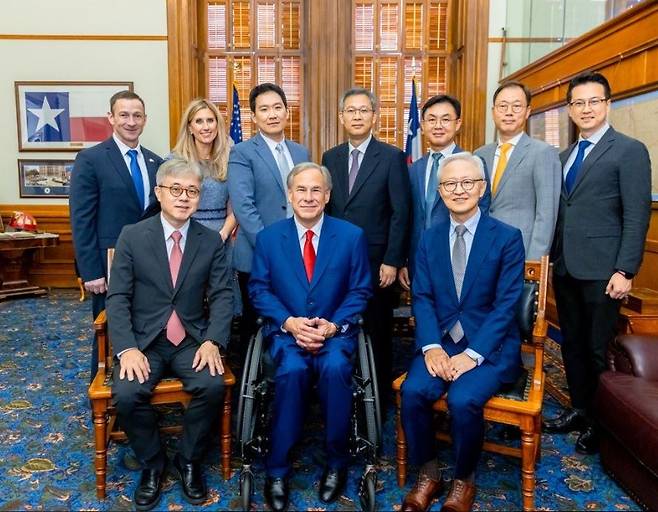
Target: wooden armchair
[(521, 404), (168, 391)]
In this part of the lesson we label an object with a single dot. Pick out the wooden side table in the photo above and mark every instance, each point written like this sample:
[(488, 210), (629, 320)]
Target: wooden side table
[(639, 315), (15, 260)]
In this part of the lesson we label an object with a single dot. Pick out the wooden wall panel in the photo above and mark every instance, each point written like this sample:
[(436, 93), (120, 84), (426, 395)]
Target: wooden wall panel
[(51, 267)]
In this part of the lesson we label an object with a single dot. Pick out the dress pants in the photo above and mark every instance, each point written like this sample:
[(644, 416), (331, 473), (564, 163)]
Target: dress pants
[(588, 322), (140, 420), (379, 325), (466, 398), (296, 369), (249, 316)]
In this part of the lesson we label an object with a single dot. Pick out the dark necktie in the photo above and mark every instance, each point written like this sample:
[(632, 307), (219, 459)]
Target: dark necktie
[(354, 170), (309, 255), (136, 174), (458, 271), (175, 329), (432, 185), (572, 173)]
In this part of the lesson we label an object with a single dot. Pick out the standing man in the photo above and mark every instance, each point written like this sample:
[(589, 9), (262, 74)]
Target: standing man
[(599, 242), (468, 282), (440, 124), (257, 173), (310, 281), (525, 172), (167, 272), (111, 186), (371, 190)]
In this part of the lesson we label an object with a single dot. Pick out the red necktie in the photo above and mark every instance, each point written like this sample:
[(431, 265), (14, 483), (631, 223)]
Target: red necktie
[(175, 329), (309, 255)]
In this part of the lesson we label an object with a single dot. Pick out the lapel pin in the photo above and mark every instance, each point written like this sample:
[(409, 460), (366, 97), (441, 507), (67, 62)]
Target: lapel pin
[(151, 160)]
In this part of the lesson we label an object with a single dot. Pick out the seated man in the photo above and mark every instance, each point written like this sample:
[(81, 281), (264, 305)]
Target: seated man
[(310, 304), (468, 281), (163, 271)]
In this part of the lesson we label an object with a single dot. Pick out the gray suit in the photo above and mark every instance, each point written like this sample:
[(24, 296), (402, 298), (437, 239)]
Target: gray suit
[(528, 193)]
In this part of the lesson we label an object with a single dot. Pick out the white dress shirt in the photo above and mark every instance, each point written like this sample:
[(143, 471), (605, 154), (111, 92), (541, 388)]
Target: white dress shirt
[(142, 166), (594, 139), (169, 229), (301, 234), (272, 144), (513, 141), (430, 160)]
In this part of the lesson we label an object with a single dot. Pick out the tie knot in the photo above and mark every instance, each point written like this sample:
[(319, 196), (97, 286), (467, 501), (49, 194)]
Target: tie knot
[(309, 236), (176, 236), (460, 229), (583, 145), (437, 156), (279, 147), (132, 153), (355, 153), (505, 147)]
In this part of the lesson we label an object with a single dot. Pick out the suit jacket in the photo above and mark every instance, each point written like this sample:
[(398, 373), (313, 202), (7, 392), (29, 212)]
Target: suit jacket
[(141, 295), (340, 289), (439, 211), (602, 224), (258, 196), (103, 200), (528, 193), (490, 293), (379, 202)]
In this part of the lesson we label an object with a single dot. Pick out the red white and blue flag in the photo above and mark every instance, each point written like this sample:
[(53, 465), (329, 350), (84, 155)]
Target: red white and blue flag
[(236, 124), (413, 148)]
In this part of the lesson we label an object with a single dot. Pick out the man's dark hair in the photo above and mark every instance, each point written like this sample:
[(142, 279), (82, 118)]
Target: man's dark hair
[(513, 83), (586, 78), (262, 89), (442, 98), (125, 95)]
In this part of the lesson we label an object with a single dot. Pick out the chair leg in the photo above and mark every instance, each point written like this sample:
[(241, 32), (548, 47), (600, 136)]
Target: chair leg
[(100, 438), (538, 439), (401, 454), (528, 453), (226, 435)]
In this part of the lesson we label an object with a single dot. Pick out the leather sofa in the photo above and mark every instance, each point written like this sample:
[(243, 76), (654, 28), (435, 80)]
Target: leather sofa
[(627, 409)]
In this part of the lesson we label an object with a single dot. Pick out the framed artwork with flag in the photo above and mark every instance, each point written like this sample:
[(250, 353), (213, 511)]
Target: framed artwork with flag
[(64, 116)]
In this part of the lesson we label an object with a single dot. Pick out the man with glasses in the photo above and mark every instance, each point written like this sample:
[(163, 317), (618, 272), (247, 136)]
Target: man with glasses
[(371, 190), (440, 123), (111, 186), (168, 271), (467, 284), (602, 223), (524, 172)]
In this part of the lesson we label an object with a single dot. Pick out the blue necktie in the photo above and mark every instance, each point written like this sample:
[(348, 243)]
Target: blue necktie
[(573, 171), (432, 185), (136, 174)]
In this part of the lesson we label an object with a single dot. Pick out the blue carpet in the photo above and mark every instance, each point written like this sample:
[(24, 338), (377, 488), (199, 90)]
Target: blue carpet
[(46, 441)]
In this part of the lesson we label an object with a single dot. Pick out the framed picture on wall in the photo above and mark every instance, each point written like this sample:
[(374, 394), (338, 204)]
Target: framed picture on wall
[(63, 116), (44, 178)]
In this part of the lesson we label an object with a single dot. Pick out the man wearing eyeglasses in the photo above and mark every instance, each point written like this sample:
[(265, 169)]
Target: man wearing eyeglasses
[(371, 190), (167, 271), (440, 124), (524, 172), (602, 223), (467, 283)]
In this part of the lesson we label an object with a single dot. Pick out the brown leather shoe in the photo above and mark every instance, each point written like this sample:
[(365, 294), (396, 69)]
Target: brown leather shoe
[(427, 487), (460, 498)]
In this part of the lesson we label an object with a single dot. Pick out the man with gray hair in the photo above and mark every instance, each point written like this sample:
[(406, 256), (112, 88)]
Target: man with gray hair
[(167, 271), (468, 281)]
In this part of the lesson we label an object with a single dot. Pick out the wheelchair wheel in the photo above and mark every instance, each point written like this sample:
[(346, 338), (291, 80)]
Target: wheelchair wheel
[(246, 488), (247, 418), (371, 398), (367, 489), (243, 391)]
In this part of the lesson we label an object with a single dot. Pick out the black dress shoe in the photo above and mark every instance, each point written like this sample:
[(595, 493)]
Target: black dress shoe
[(588, 441), (276, 493), (569, 421), (191, 477), (332, 483), (147, 494)]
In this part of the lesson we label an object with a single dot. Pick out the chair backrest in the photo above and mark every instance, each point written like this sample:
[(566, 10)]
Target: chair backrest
[(105, 352), (531, 313)]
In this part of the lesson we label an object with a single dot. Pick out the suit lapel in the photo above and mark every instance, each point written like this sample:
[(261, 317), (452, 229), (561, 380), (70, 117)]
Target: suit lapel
[(420, 179), (564, 156), (368, 165), (519, 153), (325, 246), (159, 248), (597, 151), (192, 244), (481, 244), (437, 198), (119, 164), (152, 169), (340, 177), (290, 245), (444, 265), (295, 154), (263, 151)]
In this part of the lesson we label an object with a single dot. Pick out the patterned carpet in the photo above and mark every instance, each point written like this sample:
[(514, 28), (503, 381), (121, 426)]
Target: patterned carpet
[(46, 442)]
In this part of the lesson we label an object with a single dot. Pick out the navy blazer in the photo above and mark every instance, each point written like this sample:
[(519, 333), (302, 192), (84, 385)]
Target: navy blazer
[(102, 201), (340, 289), (439, 211), (490, 293)]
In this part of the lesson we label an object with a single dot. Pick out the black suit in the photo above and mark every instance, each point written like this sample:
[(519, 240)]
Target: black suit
[(380, 205), (601, 228), (139, 303)]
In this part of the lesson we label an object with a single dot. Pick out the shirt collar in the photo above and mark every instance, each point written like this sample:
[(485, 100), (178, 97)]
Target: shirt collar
[(124, 148), (271, 143), (513, 141), (169, 229), (596, 136), (301, 230), (361, 147), (470, 225), (446, 151)]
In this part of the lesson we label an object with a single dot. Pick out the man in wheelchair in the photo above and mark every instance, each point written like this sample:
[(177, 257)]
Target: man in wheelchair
[(310, 281)]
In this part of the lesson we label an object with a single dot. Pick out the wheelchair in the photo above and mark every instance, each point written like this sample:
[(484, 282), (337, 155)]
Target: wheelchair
[(254, 414)]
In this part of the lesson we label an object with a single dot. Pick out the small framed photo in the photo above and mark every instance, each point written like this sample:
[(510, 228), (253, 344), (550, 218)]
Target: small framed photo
[(64, 116), (44, 178)]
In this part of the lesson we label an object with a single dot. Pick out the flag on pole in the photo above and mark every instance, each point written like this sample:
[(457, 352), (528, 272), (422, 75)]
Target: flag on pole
[(236, 124), (413, 148)]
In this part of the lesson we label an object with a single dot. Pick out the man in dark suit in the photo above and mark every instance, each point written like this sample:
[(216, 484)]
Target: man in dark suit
[(371, 190), (311, 304), (602, 223), (167, 271), (468, 281), (440, 124), (257, 172), (111, 187)]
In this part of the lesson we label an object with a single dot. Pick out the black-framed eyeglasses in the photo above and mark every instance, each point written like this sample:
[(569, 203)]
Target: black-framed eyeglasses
[(504, 107), (177, 190), (592, 102), (451, 186)]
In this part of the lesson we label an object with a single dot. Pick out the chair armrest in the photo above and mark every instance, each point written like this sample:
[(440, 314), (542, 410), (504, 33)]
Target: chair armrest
[(635, 355)]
